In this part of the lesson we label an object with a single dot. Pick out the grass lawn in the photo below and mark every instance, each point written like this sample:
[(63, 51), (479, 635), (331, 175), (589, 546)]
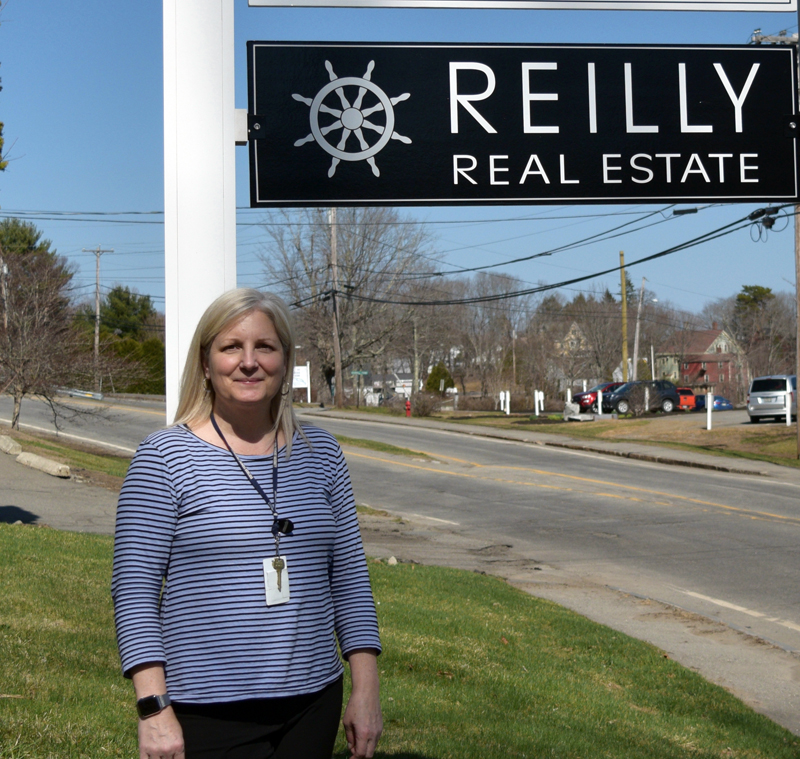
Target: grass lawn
[(472, 668)]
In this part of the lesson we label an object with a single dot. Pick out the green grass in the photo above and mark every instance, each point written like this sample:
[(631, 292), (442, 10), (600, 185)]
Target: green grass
[(472, 668), (373, 445), (68, 452)]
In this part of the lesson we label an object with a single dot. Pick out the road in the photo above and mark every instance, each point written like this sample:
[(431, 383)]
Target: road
[(622, 541), (723, 545)]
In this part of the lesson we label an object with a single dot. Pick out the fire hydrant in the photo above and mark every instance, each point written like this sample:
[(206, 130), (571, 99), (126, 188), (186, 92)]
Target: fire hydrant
[(408, 407)]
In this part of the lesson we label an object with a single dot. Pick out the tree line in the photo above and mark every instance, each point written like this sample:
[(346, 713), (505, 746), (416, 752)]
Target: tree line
[(398, 310), (47, 339), (398, 313)]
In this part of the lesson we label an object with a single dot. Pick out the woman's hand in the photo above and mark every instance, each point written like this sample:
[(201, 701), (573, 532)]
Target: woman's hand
[(160, 736), (363, 723)]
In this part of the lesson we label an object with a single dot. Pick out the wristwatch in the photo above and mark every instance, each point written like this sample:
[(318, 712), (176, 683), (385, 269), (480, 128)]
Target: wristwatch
[(150, 705)]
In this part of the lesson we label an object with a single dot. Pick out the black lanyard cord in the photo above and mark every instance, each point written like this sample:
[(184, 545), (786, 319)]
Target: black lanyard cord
[(279, 526)]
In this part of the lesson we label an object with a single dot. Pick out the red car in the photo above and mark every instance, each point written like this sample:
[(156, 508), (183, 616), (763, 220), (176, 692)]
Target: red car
[(688, 399), (588, 399)]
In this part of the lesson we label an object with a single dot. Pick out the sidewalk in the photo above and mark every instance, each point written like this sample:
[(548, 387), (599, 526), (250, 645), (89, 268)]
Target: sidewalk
[(33, 497)]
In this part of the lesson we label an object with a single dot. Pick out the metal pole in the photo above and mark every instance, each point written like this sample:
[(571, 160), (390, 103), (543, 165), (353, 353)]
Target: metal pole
[(338, 399), (636, 334), (4, 291), (624, 297), (797, 302), (98, 251)]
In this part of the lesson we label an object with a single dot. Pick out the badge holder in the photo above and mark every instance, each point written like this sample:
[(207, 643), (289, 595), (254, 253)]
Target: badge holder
[(276, 580)]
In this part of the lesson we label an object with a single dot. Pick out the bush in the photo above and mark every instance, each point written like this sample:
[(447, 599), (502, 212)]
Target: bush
[(474, 403), (439, 373), (425, 404)]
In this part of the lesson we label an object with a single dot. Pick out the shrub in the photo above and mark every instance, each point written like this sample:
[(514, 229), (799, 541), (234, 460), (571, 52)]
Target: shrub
[(439, 373), (425, 404)]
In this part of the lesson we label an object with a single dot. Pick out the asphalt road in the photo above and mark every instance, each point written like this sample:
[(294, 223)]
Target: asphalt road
[(720, 544)]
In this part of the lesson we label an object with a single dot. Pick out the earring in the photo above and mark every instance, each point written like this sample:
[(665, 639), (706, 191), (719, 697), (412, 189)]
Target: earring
[(286, 388), (206, 384)]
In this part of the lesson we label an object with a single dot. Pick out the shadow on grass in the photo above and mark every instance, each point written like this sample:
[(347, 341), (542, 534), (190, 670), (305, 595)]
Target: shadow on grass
[(11, 514), (384, 755)]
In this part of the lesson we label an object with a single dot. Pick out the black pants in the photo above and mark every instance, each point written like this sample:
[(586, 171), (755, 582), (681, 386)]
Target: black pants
[(298, 727)]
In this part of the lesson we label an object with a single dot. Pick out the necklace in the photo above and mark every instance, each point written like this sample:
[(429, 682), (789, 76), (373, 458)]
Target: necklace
[(279, 526)]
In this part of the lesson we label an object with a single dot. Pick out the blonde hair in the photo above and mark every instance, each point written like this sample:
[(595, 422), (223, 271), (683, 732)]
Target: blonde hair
[(195, 402)]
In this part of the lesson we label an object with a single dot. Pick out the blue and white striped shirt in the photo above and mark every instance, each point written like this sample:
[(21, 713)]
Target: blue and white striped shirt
[(188, 513)]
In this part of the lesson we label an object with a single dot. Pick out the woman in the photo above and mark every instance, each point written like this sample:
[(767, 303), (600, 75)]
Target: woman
[(249, 525)]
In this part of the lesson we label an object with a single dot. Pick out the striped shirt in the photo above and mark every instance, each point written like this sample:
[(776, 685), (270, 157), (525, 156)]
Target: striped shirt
[(188, 513)]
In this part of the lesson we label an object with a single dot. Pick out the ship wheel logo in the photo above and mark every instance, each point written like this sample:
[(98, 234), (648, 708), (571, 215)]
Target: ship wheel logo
[(352, 119)]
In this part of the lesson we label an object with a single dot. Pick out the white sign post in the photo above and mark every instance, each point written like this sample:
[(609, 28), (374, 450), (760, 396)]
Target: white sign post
[(199, 171)]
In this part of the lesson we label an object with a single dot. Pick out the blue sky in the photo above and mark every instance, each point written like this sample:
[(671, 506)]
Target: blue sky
[(82, 106)]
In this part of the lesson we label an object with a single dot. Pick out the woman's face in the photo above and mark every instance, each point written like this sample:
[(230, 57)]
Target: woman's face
[(246, 363)]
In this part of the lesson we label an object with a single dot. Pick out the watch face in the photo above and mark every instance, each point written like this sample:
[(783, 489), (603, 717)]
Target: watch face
[(149, 706)]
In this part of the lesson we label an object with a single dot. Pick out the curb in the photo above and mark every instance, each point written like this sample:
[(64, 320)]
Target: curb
[(47, 466), (9, 445)]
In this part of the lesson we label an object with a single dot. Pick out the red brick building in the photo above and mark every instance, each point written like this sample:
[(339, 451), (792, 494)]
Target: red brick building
[(706, 359)]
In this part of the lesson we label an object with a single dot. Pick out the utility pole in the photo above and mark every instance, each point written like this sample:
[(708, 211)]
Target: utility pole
[(624, 296), (782, 38), (98, 251), (636, 334), (338, 398), (4, 290)]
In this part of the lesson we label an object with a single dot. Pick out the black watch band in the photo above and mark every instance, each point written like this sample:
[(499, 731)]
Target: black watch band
[(150, 705)]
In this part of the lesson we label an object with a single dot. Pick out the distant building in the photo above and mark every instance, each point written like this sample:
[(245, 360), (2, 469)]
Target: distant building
[(709, 359)]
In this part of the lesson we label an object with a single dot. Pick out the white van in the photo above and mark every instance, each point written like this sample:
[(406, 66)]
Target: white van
[(767, 397)]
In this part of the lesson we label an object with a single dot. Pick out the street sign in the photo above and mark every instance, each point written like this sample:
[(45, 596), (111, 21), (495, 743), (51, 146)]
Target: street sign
[(627, 5), (438, 124), (359, 371)]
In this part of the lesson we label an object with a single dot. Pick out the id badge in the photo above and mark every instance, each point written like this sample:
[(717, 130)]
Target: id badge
[(276, 580)]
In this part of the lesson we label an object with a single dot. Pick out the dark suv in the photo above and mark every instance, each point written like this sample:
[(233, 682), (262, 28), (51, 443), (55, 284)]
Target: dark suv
[(587, 400), (661, 394)]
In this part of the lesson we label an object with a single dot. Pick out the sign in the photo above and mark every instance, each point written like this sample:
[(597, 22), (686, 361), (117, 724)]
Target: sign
[(401, 124), (595, 5), (301, 378)]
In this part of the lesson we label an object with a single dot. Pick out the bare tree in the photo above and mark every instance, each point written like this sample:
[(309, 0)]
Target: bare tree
[(487, 329), (41, 349), (378, 258)]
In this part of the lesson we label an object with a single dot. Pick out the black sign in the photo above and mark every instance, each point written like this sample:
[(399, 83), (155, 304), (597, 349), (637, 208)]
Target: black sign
[(398, 124)]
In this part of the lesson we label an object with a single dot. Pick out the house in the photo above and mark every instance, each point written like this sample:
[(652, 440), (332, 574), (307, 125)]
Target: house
[(709, 359)]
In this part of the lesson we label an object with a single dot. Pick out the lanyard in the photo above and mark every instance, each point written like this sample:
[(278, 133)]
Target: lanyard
[(279, 526)]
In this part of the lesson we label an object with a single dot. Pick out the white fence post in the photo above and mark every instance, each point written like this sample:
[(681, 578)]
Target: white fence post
[(502, 400), (508, 402), (709, 409), (599, 401), (569, 395)]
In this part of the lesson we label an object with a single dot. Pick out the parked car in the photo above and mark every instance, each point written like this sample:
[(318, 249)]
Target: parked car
[(722, 404), (687, 398), (768, 397), (662, 396), (587, 400)]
